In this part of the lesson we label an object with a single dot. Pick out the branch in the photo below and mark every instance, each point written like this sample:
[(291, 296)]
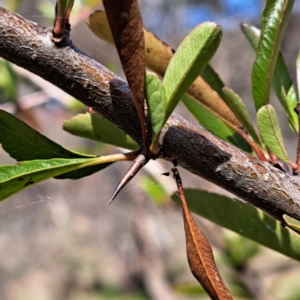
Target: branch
[(30, 46)]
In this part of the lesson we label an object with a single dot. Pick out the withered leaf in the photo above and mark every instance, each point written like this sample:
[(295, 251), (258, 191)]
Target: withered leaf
[(199, 252), (126, 26)]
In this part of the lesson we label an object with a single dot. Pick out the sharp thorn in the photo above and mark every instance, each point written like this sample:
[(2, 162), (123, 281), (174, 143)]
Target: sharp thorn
[(138, 163)]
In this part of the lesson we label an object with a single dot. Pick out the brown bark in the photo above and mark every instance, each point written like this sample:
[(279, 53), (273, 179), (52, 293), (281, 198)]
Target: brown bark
[(30, 46)]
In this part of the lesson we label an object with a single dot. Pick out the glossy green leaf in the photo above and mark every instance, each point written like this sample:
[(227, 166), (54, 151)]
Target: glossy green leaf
[(214, 125), (191, 57), (270, 132), (238, 107), (156, 103), (282, 82), (244, 219), (273, 23), (22, 143), (14, 178), (97, 128)]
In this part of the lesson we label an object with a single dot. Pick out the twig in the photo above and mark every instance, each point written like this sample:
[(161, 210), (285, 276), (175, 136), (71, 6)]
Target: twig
[(29, 46)]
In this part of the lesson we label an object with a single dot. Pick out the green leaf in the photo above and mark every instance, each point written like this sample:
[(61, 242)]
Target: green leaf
[(65, 6), (244, 219), (290, 101), (156, 102), (14, 178), (214, 125), (273, 23), (269, 129), (238, 107), (191, 57), (282, 82), (22, 142), (292, 223), (213, 79), (153, 188), (97, 128), (298, 74), (8, 81)]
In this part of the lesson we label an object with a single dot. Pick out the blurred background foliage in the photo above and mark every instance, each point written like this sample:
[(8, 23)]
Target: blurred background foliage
[(60, 239)]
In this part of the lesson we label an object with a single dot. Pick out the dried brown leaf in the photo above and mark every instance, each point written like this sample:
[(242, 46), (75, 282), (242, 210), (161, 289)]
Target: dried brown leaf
[(199, 252), (126, 26)]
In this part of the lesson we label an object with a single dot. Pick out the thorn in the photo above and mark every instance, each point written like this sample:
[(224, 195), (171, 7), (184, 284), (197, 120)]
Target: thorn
[(165, 174), (138, 163)]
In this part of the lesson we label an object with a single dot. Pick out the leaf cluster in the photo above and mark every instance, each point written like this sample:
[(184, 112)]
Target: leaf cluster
[(184, 74)]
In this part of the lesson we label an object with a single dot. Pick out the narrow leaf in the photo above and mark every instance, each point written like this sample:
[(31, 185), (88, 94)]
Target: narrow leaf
[(243, 219), (238, 107), (282, 82), (156, 103), (199, 252), (269, 129), (22, 143), (214, 124), (191, 57), (14, 178), (97, 128), (273, 23), (126, 26)]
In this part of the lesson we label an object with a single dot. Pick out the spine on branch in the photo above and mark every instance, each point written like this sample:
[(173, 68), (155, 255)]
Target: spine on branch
[(30, 46)]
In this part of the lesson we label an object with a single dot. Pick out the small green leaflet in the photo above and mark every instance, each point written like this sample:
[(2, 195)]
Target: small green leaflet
[(191, 57), (270, 132), (14, 178), (97, 128), (156, 103), (238, 107), (244, 219), (23, 143), (215, 125), (282, 82), (65, 6), (273, 23)]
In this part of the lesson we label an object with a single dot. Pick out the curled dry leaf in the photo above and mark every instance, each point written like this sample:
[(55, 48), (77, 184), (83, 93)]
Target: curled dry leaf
[(199, 252), (127, 29)]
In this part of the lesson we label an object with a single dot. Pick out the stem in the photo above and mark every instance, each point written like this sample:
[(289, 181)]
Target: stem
[(198, 151)]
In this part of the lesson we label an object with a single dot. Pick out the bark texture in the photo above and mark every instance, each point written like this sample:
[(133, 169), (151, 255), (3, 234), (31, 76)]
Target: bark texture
[(30, 46)]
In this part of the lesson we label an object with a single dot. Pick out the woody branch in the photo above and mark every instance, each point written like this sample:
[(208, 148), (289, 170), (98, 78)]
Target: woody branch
[(30, 46)]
